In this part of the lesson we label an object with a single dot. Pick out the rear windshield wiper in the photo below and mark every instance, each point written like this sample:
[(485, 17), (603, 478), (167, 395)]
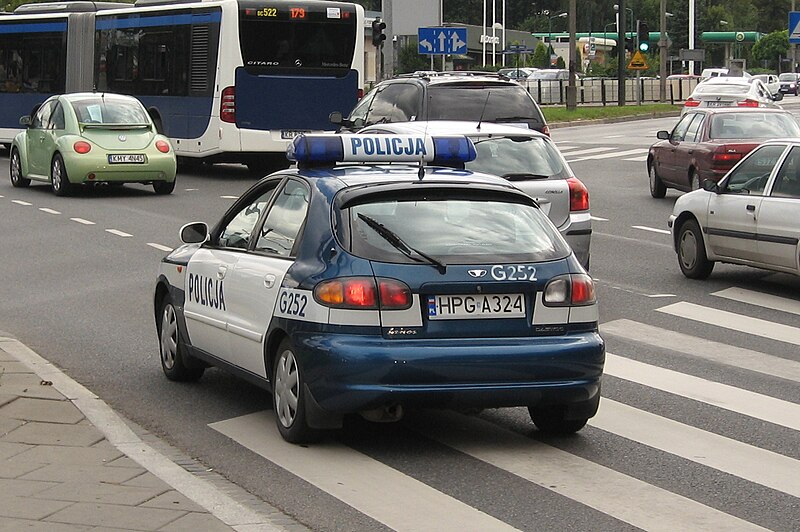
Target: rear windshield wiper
[(392, 238), (523, 176), (508, 118)]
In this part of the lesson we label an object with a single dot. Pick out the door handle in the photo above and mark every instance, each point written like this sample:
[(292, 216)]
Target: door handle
[(269, 280), (751, 208), (221, 271)]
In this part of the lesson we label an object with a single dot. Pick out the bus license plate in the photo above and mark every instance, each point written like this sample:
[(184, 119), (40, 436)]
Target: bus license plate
[(289, 134), (476, 306), (137, 158)]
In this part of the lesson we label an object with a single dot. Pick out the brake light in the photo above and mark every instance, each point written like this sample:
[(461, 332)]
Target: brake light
[(575, 289), (578, 195), (162, 146), (362, 293), (726, 157), (748, 103), (546, 130), (82, 147), (227, 105), (359, 94), (691, 102)]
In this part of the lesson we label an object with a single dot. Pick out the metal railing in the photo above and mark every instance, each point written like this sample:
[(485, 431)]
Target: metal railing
[(604, 91)]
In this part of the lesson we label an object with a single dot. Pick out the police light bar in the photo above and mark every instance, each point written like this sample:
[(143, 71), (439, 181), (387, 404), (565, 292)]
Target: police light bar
[(321, 149)]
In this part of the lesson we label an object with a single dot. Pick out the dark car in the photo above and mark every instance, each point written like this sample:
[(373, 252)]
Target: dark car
[(706, 143), (472, 96), (789, 82)]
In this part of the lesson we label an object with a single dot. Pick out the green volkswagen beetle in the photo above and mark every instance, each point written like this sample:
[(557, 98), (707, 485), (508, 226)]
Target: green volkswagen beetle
[(87, 138)]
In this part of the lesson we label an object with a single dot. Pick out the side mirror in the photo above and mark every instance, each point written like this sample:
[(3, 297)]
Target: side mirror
[(778, 96), (25, 120), (336, 118), (710, 185), (194, 233), (663, 135)]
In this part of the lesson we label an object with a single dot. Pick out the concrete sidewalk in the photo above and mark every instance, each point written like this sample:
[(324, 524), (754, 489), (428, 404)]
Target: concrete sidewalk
[(65, 464)]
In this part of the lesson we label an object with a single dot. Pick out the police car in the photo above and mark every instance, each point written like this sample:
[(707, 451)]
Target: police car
[(376, 287)]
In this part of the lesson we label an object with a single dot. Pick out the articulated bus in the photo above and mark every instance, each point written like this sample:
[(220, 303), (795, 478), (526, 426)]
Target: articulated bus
[(226, 80)]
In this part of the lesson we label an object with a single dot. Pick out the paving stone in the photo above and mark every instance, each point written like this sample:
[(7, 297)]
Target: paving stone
[(47, 434), (123, 461), (9, 468), (146, 480), (12, 366), (173, 500), (23, 488), (45, 410), (81, 473), (60, 454), (27, 385), (7, 398), (115, 515), (28, 508), (8, 424), (102, 492), (6, 356), (8, 449), (196, 521), (15, 525)]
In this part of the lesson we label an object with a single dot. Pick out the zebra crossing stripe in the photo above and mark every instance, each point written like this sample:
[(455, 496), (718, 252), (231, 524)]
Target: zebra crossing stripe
[(372, 488), (760, 299), (590, 150), (736, 322), (637, 151), (606, 490), (713, 393), (729, 355), (745, 461)]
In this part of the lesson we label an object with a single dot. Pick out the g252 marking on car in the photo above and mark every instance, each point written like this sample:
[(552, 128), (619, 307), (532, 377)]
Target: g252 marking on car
[(508, 272), (292, 303), (206, 291)]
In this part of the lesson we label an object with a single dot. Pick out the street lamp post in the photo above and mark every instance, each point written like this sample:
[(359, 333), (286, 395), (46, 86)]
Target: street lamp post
[(550, 31), (727, 47)]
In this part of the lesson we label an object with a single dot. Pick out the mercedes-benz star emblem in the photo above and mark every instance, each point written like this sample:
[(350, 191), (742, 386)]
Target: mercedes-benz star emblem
[(476, 273)]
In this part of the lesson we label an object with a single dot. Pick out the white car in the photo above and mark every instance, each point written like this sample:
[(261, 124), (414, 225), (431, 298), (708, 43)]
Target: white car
[(770, 80), (750, 217), (732, 92)]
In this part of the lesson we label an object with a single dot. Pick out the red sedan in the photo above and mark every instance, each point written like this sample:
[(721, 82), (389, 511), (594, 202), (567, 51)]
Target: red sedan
[(706, 143)]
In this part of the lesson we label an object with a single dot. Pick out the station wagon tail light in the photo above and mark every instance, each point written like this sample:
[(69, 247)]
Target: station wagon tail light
[(748, 103), (578, 195), (162, 146), (362, 293), (576, 289), (82, 147), (691, 102), (227, 105)]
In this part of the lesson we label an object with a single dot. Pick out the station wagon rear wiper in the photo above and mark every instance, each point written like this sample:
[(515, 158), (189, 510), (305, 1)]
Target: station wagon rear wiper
[(523, 176), (392, 238)]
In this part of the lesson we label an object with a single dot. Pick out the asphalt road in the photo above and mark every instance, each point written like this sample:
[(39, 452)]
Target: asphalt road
[(698, 428)]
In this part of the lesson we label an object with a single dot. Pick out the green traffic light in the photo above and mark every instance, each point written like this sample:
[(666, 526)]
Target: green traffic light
[(644, 46)]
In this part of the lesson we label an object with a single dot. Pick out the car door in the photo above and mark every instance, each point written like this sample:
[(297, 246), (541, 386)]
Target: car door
[(208, 296), (253, 285), (53, 131), (684, 152), (38, 157), (667, 162), (778, 223), (731, 226)]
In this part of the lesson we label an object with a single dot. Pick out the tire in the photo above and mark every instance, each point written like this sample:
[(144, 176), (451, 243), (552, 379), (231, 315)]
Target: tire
[(17, 179), (657, 187), (694, 181), (175, 362), (164, 187), (288, 399), (59, 180), (692, 252), (553, 421)]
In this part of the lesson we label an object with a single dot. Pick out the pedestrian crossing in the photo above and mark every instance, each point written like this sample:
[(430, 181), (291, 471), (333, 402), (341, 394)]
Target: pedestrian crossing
[(577, 153), (676, 444)]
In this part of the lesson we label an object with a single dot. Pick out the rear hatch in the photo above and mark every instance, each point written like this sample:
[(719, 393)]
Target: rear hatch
[(119, 138)]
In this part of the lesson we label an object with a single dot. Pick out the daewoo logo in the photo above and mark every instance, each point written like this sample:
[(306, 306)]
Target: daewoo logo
[(476, 273)]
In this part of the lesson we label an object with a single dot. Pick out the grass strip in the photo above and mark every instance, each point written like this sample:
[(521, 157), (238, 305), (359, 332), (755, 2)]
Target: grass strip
[(562, 114)]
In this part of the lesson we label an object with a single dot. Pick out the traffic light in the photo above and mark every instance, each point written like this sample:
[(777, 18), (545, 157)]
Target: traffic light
[(629, 44), (644, 35), (377, 32)]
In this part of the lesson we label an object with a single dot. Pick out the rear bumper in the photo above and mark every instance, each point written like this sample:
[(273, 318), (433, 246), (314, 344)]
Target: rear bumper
[(157, 168), (349, 373)]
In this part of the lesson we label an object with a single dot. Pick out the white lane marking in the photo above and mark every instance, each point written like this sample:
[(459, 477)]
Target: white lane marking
[(590, 150), (564, 147), (729, 355), (656, 296), (641, 159), (609, 155), (736, 322), (229, 197), (375, 489), (760, 299), (745, 461), (82, 221), (191, 189), (159, 247), (598, 219), (613, 136), (49, 211), (581, 480), (651, 229), (713, 393), (20, 202), (118, 233)]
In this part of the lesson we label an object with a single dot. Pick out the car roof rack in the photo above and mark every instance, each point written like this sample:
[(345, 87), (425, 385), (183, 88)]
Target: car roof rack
[(453, 73)]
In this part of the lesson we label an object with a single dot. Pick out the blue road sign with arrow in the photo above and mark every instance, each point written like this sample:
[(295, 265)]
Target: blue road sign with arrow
[(794, 30), (438, 41)]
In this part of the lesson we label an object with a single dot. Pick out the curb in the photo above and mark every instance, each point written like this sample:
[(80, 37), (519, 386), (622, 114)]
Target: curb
[(614, 120)]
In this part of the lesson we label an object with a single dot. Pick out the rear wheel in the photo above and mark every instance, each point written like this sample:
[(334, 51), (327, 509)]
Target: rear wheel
[(59, 179), (288, 399), (552, 420), (175, 362), (694, 180), (17, 179), (692, 252), (164, 187), (657, 187)]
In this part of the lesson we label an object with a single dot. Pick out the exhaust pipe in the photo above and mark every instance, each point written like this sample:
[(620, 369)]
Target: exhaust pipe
[(385, 414)]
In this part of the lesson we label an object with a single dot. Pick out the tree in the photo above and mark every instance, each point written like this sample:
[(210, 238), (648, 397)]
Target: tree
[(772, 47), (540, 57), (410, 60)]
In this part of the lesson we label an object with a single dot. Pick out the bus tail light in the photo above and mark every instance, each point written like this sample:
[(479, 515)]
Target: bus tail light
[(575, 289), (362, 293), (578, 195), (82, 147), (162, 146), (227, 105)]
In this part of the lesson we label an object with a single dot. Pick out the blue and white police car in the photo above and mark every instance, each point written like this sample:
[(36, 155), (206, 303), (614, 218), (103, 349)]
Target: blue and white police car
[(364, 282)]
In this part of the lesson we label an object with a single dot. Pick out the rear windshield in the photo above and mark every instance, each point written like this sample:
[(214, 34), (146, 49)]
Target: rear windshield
[(721, 88), (787, 77), (455, 231), (495, 103), (753, 126), (276, 36), (517, 158), (109, 111)]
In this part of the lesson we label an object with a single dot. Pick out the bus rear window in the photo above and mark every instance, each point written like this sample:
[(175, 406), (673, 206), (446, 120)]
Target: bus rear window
[(277, 37)]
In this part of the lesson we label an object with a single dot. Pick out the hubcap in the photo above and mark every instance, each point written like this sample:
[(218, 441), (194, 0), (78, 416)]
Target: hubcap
[(56, 175), (15, 170), (169, 337), (688, 249), (287, 389)]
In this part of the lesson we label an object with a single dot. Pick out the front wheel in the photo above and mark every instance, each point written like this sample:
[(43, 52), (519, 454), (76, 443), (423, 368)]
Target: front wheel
[(175, 362), (657, 187), (164, 187), (692, 256), (59, 178), (17, 179), (553, 420), (288, 399)]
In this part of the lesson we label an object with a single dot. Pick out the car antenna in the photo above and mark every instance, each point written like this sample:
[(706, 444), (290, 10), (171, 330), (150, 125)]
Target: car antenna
[(421, 171), (483, 110)]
